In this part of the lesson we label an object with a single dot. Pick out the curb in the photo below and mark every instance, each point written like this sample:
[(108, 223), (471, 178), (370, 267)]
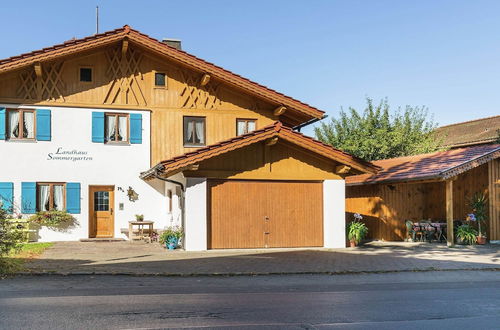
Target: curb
[(230, 274)]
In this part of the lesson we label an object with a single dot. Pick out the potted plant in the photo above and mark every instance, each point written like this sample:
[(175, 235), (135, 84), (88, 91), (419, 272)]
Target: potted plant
[(356, 230), (466, 234), (479, 214), (139, 217), (171, 236)]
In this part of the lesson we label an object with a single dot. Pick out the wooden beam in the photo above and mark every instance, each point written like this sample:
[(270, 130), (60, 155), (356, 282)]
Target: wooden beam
[(205, 79), (342, 169), (272, 141), (450, 239), (38, 70), (124, 47), (279, 110), (193, 167)]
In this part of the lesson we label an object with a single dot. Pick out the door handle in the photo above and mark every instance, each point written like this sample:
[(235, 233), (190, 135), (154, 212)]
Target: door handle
[(111, 211)]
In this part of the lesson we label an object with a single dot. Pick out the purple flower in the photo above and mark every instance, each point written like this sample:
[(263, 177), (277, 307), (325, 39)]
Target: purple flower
[(471, 217)]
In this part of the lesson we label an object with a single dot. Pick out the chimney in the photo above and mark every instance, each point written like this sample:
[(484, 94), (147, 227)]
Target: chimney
[(176, 43)]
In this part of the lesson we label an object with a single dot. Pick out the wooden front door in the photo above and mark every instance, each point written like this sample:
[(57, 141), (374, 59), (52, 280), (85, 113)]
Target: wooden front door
[(260, 214), (101, 211)]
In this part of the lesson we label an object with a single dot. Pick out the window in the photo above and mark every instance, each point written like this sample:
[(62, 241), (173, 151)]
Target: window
[(169, 196), (86, 74), (116, 127), (21, 124), (160, 79), (194, 131), (50, 196), (101, 201), (244, 126)]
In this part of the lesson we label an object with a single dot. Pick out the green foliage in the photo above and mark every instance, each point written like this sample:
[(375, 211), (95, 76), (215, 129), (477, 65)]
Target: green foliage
[(376, 134), (356, 231), (175, 232), (478, 205), (14, 262), (139, 217), (54, 219), (10, 237), (467, 234)]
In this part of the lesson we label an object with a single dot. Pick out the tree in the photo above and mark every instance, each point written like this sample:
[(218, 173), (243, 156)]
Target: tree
[(377, 134)]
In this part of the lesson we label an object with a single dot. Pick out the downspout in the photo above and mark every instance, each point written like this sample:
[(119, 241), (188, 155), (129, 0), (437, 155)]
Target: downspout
[(183, 201)]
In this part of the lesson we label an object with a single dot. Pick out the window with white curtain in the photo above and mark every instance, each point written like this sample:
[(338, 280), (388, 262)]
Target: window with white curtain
[(244, 126), (117, 127), (50, 196), (194, 131), (21, 124)]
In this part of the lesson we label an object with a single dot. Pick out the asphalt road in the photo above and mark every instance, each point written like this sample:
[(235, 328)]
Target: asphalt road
[(430, 300)]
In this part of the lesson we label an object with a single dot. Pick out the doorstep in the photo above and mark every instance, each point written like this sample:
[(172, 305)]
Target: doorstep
[(102, 239)]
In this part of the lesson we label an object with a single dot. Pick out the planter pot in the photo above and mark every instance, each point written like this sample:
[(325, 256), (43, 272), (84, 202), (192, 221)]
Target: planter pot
[(481, 240), (352, 243), (171, 243)]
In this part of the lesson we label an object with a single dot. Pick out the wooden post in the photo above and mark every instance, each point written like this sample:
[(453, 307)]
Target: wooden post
[(449, 212)]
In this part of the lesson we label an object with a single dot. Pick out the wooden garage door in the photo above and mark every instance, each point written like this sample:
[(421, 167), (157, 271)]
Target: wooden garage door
[(258, 214)]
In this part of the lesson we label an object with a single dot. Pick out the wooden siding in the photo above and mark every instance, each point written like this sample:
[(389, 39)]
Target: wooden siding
[(242, 212), (282, 161), (127, 82), (494, 189), (386, 207)]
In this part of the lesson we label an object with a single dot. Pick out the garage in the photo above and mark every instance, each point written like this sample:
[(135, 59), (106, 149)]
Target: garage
[(262, 214)]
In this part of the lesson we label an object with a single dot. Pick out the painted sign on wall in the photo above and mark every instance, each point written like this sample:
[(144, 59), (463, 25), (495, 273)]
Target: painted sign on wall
[(70, 155)]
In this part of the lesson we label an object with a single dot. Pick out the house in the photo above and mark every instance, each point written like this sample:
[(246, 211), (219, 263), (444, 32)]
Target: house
[(469, 133), (434, 186), (119, 124)]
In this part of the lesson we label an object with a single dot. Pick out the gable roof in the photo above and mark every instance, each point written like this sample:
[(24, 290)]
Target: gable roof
[(75, 46), (472, 132), (438, 165), (275, 130)]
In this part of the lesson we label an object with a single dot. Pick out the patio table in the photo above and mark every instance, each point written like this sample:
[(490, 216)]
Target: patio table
[(438, 229), (140, 226)]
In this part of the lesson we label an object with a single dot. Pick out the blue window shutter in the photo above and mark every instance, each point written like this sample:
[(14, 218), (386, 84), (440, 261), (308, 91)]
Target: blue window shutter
[(7, 196), (135, 128), (3, 116), (73, 197), (43, 125), (98, 127), (28, 197)]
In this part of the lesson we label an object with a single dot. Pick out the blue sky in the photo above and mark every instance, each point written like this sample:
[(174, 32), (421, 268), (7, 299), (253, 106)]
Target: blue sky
[(441, 54)]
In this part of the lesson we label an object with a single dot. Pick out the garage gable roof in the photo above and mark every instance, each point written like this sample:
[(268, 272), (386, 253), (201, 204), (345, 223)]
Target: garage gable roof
[(75, 46), (271, 131), (438, 165)]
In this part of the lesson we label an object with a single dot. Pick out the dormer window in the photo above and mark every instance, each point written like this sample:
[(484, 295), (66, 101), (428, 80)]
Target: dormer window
[(86, 74)]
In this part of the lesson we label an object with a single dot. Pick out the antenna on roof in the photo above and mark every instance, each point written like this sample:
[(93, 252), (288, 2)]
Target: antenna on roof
[(96, 19)]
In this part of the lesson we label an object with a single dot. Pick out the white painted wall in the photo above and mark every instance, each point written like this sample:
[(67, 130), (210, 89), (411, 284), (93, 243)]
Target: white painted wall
[(334, 214), (196, 214), (118, 165)]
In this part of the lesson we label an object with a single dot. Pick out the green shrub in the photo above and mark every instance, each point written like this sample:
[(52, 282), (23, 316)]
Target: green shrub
[(175, 232), (356, 231), (54, 219), (10, 237), (467, 234)]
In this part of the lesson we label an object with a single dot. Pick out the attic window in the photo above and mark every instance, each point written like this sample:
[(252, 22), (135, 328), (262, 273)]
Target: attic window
[(160, 79), (86, 74)]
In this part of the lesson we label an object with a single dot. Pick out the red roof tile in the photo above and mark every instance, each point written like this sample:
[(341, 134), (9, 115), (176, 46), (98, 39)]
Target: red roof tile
[(270, 131), (437, 165), (78, 45)]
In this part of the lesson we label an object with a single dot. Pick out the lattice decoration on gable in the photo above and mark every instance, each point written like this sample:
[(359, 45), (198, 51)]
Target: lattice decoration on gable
[(127, 81), (195, 96), (44, 82)]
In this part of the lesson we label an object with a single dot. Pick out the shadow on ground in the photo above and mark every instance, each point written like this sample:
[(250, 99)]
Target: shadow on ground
[(133, 258)]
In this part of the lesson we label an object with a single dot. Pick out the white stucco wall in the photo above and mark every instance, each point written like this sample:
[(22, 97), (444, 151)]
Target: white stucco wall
[(118, 165), (334, 213), (196, 214)]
